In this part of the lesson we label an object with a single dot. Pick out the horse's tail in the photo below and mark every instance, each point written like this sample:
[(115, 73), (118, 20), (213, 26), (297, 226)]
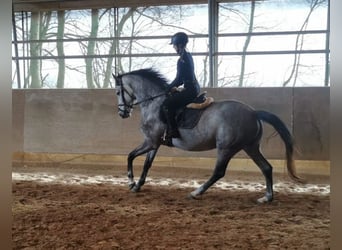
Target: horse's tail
[(285, 134)]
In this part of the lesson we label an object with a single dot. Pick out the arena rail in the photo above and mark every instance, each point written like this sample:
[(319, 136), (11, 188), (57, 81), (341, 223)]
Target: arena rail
[(82, 123)]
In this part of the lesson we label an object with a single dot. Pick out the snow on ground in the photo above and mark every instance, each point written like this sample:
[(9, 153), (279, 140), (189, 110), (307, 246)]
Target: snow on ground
[(72, 179)]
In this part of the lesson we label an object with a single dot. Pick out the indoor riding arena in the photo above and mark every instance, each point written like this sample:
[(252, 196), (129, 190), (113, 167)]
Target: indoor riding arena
[(70, 189), (69, 175)]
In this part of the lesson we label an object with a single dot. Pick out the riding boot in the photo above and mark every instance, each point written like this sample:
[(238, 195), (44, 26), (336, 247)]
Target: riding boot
[(171, 130), (166, 139)]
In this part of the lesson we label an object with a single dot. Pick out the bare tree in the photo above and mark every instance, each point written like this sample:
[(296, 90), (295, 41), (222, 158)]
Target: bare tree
[(91, 48), (39, 26), (60, 48), (131, 22), (114, 47), (247, 41), (132, 18), (299, 44), (35, 67), (205, 76)]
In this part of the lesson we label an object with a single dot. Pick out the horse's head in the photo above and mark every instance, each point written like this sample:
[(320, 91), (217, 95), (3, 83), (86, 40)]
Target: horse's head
[(137, 87), (125, 97)]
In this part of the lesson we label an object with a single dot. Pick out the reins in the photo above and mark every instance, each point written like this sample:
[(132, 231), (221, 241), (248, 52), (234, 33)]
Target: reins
[(149, 99)]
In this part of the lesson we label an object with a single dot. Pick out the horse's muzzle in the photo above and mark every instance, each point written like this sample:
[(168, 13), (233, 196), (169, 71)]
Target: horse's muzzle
[(124, 114)]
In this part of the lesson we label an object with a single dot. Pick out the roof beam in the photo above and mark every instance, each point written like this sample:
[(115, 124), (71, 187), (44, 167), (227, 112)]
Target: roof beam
[(48, 5)]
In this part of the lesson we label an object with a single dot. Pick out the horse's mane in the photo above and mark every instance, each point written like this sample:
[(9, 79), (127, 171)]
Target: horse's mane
[(151, 75)]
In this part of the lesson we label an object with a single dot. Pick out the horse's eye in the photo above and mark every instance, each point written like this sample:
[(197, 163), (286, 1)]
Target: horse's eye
[(118, 92)]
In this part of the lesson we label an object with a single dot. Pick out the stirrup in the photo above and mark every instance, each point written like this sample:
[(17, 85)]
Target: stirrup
[(167, 141), (174, 133)]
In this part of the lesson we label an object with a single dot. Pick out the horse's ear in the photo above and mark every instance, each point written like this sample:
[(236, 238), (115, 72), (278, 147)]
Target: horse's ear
[(116, 78)]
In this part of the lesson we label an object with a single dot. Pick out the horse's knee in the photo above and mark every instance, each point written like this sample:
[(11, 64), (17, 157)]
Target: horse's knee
[(130, 157)]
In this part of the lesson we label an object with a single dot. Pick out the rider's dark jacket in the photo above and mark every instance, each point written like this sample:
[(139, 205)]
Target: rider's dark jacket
[(185, 76)]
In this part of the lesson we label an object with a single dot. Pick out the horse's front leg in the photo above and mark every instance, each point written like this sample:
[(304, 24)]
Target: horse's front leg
[(147, 165), (142, 149)]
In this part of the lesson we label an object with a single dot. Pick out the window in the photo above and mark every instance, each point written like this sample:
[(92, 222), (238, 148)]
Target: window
[(273, 43), (266, 43)]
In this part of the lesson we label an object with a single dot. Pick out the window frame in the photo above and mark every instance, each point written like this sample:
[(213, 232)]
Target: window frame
[(213, 35)]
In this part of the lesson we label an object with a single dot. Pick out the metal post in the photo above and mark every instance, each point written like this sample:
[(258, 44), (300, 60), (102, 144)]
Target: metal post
[(327, 47), (213, 28), (16, 47), (117, 41)]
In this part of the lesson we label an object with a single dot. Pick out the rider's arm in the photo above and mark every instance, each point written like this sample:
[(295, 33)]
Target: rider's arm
[(174, 84), (177, 81), (184, 71)]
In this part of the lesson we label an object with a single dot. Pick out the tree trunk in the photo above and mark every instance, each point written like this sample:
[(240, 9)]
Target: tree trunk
[(91, 48), (35, 51), (60, 49), (45, 18), (245, 47), (108, 73), (298, 46), (205, 71), (115, 47)]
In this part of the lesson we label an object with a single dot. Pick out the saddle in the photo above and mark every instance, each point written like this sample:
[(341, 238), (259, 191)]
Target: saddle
[(201, 101), (188, 117)]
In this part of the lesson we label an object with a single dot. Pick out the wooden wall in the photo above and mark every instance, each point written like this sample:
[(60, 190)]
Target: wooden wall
[(86, 121)]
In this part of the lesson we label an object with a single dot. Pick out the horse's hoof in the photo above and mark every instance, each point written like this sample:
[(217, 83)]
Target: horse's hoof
[(192, 196), (135, 189), (263, 200), (131, 185)]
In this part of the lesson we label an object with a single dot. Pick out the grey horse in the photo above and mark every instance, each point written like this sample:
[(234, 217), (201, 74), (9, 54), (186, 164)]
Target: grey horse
[(229, 126)]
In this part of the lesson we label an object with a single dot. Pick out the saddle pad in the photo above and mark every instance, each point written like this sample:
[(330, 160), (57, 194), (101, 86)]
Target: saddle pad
[(188, 118)]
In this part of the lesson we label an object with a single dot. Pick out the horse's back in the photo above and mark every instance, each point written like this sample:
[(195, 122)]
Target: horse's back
[(224, 122), (229, 110), (232, 103)]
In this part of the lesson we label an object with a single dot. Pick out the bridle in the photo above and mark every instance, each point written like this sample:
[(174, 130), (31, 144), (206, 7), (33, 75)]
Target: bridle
[(124, 106)]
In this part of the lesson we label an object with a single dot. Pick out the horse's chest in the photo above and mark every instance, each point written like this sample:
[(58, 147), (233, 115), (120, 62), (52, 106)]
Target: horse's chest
[(150, 125)]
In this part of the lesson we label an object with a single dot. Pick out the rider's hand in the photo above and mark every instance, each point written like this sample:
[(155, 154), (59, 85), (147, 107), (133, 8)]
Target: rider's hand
[(174, 89)]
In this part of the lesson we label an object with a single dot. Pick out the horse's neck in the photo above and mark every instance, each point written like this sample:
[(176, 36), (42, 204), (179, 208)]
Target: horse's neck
[(150, 110), (143, 91)]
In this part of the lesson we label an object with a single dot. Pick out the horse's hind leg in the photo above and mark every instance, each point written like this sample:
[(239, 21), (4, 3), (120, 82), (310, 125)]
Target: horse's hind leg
[(223, 158), (266, 169)]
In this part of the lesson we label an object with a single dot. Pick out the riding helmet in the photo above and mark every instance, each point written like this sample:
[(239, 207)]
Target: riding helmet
[(179, 38)]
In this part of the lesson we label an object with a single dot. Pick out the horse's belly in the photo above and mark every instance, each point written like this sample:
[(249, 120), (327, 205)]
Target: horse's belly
[(193, 144)]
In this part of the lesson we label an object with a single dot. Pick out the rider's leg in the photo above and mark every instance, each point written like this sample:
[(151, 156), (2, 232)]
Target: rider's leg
[(172, 124), (171, 105), (171, 130), (169, 114)]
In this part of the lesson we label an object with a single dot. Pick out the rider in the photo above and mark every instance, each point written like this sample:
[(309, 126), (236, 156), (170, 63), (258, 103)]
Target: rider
[(186, 77)]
